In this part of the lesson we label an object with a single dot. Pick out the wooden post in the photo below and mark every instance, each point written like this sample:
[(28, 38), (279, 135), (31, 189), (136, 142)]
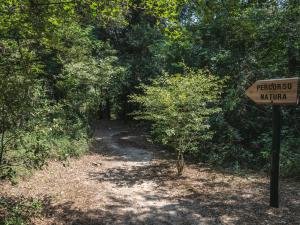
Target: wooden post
[(275, 92), (274, 196)]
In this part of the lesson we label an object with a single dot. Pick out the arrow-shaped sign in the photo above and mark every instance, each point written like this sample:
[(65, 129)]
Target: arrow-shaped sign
[(275, 91)]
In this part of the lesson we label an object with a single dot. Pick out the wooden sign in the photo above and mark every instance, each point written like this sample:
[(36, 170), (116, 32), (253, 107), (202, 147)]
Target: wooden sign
[(275, 91)]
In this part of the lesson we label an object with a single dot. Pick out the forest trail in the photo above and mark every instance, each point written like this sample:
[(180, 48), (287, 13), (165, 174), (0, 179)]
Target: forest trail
[(127, 180)]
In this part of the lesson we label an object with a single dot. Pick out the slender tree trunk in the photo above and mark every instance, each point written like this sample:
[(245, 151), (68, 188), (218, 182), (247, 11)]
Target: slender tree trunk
[(108, 108), (180, 163), (2, 146), (2, 130), (292, 62), (292, 51)]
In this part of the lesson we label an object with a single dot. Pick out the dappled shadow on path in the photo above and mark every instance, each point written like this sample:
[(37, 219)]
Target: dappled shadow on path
[(133, 185), (226, 205), (120, 146), (194, 208), (122, 176), (205, 200), (198, 206)]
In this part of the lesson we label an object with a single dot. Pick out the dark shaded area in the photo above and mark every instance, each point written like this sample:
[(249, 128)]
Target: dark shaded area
[(137, 175), (18, 210), (128, 144)]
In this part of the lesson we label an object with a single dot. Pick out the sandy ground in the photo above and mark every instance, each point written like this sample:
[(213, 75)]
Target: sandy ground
[(126, 180)]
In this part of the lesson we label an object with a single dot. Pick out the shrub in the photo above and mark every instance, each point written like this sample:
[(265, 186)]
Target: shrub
[(180, 107), (18, 211)]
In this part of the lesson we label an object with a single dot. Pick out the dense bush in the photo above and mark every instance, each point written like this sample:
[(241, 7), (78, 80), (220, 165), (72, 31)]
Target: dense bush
[(181, 107), (19, 211), (51, 96)]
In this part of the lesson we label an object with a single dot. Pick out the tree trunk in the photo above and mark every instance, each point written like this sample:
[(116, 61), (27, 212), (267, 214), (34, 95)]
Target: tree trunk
[(292, 62), (2, 147), (180, 163), (108, 109)]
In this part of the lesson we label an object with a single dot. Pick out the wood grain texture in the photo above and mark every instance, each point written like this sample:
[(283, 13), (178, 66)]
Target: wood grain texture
[(275, 91)]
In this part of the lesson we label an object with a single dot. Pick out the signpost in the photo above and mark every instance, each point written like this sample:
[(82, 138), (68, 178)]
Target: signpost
[(275, 92)]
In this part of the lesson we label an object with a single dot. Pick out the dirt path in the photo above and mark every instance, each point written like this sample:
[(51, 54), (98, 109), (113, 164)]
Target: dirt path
[(127, 181)]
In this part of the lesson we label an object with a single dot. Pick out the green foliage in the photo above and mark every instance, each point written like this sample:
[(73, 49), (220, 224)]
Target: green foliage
[(89, 68), (180, 108), (19, 212), (245, 41), (21, 94), (65, 64), (54, 73)]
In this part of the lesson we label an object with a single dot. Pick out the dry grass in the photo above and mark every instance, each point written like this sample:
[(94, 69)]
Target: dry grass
[(125, 180)]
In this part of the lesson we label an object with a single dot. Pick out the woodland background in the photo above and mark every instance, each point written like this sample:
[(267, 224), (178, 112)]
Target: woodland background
[(182, 64)]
